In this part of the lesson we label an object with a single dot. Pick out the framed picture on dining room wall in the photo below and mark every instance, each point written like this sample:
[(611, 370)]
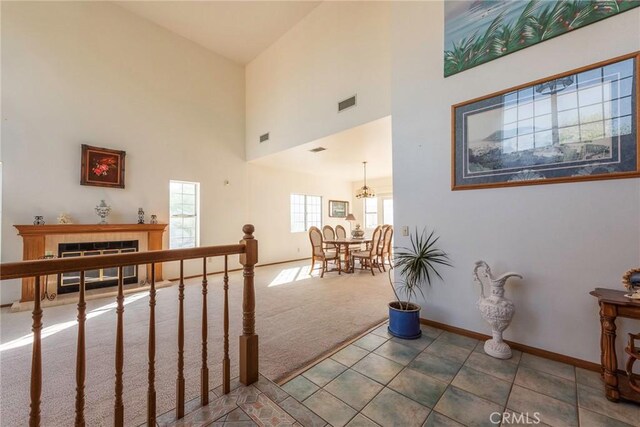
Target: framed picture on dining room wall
[(338, 209), (102, 167), (575, 126)]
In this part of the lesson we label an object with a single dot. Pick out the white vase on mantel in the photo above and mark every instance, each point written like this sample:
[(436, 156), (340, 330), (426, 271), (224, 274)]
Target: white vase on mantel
[(103, 210), (495, 309)]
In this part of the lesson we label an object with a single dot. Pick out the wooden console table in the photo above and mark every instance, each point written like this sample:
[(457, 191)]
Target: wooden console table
[(613, 303), (34, 237)]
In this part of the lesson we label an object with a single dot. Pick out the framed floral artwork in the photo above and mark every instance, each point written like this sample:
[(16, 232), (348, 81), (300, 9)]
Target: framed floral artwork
[(102, 167), (576, 126)]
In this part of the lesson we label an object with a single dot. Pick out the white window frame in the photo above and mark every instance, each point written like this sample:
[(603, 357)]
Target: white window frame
[(197, 214), (367, 225), (293, 227)]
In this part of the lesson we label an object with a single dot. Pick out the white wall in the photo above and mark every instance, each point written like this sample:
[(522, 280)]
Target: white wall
[(566, 239), (338, 50), (91, 72), (270, 209)]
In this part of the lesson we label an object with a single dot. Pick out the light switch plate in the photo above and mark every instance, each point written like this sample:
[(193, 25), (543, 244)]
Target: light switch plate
[(405, 230)]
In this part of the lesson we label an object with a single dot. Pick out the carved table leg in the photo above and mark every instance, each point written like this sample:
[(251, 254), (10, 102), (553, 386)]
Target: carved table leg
[(602, 343), (609, 360)]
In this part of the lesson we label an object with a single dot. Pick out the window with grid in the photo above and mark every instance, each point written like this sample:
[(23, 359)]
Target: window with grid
[(306, 212), (371, 212), (576, 109), (184, 219)]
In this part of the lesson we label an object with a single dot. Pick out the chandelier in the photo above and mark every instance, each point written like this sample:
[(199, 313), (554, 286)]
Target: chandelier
[(365, 192)]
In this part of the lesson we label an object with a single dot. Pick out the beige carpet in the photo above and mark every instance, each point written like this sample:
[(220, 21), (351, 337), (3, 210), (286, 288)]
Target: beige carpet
[(298, 319)]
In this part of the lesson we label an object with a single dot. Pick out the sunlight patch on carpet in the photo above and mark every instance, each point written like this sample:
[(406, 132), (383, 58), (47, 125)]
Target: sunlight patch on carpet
[(61, 326)]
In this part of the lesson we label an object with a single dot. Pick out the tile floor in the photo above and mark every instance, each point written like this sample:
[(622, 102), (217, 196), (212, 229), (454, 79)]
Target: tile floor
[(444, 379), (441, 379)]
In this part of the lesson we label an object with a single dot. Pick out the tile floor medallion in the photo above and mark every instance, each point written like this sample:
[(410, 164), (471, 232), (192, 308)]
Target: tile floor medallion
[(439, 380)]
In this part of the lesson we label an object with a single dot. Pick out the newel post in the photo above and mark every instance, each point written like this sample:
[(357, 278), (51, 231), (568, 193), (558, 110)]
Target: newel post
[(249, 339)]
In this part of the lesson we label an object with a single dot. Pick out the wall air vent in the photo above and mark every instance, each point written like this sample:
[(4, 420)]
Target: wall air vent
[(317, 149), (264, 137), (347, 103)]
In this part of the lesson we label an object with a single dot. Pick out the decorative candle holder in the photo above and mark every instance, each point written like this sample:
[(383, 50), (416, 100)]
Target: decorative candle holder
[(357, 233), (103, 210), (39, 220), (140, 216)]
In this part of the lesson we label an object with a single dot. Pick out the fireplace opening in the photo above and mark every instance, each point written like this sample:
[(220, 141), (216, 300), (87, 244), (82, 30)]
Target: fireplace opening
[(104, 277)]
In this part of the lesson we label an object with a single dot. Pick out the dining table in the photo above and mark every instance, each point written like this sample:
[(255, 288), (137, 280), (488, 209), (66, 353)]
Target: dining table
[(344, 244)]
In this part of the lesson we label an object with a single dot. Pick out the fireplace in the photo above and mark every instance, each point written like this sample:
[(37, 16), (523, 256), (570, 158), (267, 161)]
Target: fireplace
[(70, 282)]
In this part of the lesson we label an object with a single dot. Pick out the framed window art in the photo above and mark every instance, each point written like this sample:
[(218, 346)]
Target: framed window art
[(575, 126)]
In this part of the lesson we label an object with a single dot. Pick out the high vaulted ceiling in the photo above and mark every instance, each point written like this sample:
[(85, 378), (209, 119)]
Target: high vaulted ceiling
[(237, 30), (344, 154)]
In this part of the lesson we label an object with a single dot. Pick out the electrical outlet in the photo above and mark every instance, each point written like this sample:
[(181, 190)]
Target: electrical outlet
[(405, 230)]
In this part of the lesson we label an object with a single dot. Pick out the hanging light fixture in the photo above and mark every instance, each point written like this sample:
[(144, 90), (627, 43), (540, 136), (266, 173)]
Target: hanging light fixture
[(365, 192)]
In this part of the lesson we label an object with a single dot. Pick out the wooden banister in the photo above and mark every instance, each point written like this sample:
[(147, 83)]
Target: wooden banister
[(248, 251), (80, 354), (226, 362), (180, 380), (204, 369), (151, 392), (16, 270), (118, 407), (36, 359), (249, 339)]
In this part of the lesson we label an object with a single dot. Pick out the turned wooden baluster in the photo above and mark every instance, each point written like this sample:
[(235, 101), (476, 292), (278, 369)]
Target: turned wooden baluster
[(151, 393), (180, 379), (226, 363), (119, 404), (204, 371), (36, 358), (249, 339), (80, 354)]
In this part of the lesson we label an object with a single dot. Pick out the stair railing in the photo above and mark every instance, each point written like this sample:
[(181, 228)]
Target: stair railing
[(247, 250)]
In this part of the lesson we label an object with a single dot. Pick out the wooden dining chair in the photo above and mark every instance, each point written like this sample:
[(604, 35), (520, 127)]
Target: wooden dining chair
[(318, 252), (329, 234), (369, 255), (341, 233), (384, 252)]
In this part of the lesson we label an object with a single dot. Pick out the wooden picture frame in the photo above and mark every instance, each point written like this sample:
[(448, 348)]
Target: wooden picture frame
[(338, 208), (102, 167), (551, 130)]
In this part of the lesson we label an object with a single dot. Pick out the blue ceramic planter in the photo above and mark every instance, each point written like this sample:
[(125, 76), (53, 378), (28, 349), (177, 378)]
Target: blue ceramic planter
[(404, 324)]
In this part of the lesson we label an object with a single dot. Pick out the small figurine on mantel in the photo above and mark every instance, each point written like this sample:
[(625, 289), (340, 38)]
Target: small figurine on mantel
[(140, 216), (154, 219), (64, 218)]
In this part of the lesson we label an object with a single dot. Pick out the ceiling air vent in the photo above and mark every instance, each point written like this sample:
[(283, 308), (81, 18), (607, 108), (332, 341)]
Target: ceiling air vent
[(264, 137), (347, 103), (317, 149)]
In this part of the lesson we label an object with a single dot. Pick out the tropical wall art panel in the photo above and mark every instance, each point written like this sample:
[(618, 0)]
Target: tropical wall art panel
[(575, 126), (482, 30)]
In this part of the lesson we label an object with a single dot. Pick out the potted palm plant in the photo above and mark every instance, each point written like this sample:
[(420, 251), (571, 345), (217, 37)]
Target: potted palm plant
[(418, 264)]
